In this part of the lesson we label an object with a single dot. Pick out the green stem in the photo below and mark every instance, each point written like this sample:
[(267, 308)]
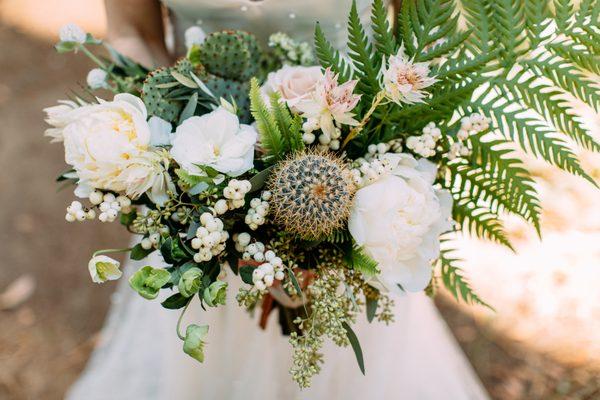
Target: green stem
[(358, 128), (109, 251), (95, 59), (182, 337)]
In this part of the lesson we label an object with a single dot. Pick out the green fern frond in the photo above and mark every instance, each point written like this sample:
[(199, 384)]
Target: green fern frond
[(296, 142), (563, 13), (449, 46), (508, 23), (405, 29), (533, 135), (479, 221), (361, 262), (536, 20), (567, 77), (383, 36), (463, 67), (270, 135), (546, 101), (339, 236), (455, 282), (478, 16), (361, 52), (588, 62), (330, 57)]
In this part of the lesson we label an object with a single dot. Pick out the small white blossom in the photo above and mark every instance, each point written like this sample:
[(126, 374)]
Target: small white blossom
[(72, 33), (96, 79), (194, 36), (103, 268)]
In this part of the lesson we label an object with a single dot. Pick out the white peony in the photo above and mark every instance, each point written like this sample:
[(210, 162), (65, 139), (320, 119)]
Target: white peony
[(103, 268), (398, 220), (109, 146), (293, 83), (215, 140), (96, 79), (72, 33)]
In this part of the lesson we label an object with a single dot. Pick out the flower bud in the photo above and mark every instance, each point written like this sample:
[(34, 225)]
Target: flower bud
[(147, 281), (190, 282), (216, 293), (103, 268), (193, 344)]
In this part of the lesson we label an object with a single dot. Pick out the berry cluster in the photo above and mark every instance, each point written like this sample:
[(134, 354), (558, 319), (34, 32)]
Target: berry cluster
[(259, 208), (76, 212), (108, 204), (425, 145), (210, 238), (326, 141), (271, 267), (469, 125), (234, 193)]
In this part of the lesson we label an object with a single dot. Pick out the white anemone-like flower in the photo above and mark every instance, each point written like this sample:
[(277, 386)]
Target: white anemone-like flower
[(109, 145), (194, 35), (103, 268), (72, 33), (330, 103), (293, 83), (215, 140), (398, 218), (403, 80), (96, 79)]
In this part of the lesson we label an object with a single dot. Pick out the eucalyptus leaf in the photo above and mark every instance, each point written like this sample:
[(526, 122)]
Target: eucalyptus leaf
[(355, 346), (184, 80), (190, 108), (259, 180), (371, 308)]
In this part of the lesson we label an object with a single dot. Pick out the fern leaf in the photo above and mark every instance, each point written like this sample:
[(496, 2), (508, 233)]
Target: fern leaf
[(568, 78), (384, 38), (589, 62), (405, 29), (536, 20), (361, 52), (479, 221), (563, 13), (270, 135), (361, 262), (455, 282), (542, 99), (330, 57)]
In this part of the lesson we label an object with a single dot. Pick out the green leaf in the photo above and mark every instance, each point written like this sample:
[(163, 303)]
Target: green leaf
[(139, 253), (127, 219), (246, 274), (361, 262), (295, 282), (382, 32), (190, 108), (259, 180), (175, 302), (355, 346), (66, 47), (331, 58), (270, 135), (184, 80), (455, 282), (371, 308)]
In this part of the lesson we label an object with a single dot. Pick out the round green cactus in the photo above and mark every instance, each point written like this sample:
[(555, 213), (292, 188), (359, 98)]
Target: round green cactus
[(231, 55)]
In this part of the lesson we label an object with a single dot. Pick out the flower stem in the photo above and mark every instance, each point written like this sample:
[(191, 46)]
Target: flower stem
[(109, 251), (182, 337), (95, 59), (358, 128)]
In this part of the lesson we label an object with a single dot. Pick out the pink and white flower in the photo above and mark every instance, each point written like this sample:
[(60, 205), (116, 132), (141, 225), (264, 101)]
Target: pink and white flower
[(403, 80), (293, 83), (330, 104)]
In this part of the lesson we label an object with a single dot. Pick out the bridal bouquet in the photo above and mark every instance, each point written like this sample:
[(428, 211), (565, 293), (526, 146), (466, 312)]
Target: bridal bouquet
[(326, 182)]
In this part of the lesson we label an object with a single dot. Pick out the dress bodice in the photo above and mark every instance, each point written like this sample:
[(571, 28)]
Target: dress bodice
[(264, 17)]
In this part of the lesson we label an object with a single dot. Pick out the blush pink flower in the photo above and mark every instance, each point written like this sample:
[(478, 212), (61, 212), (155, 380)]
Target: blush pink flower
[(330, 104), (404, 80)]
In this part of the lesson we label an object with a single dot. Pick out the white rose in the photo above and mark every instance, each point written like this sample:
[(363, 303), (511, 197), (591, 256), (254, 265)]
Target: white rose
[(109, 145), (398, 220), (103, 268), (216, 140), (71, 33), (294, 84), (96, 79)]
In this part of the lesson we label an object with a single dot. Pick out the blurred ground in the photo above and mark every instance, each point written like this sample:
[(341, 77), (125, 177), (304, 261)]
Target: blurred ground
[(542, 343)]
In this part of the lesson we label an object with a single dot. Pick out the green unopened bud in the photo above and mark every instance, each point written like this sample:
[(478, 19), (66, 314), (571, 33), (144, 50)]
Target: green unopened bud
[(147, 281), (190, 282), (193, 344), (216, 293)]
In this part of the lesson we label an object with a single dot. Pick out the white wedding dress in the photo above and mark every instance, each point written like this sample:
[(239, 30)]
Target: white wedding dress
[(140, 356)]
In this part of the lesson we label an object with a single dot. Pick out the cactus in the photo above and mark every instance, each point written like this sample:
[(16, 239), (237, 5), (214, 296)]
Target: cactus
[(230, 89), (156, 90), (231, 55)]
